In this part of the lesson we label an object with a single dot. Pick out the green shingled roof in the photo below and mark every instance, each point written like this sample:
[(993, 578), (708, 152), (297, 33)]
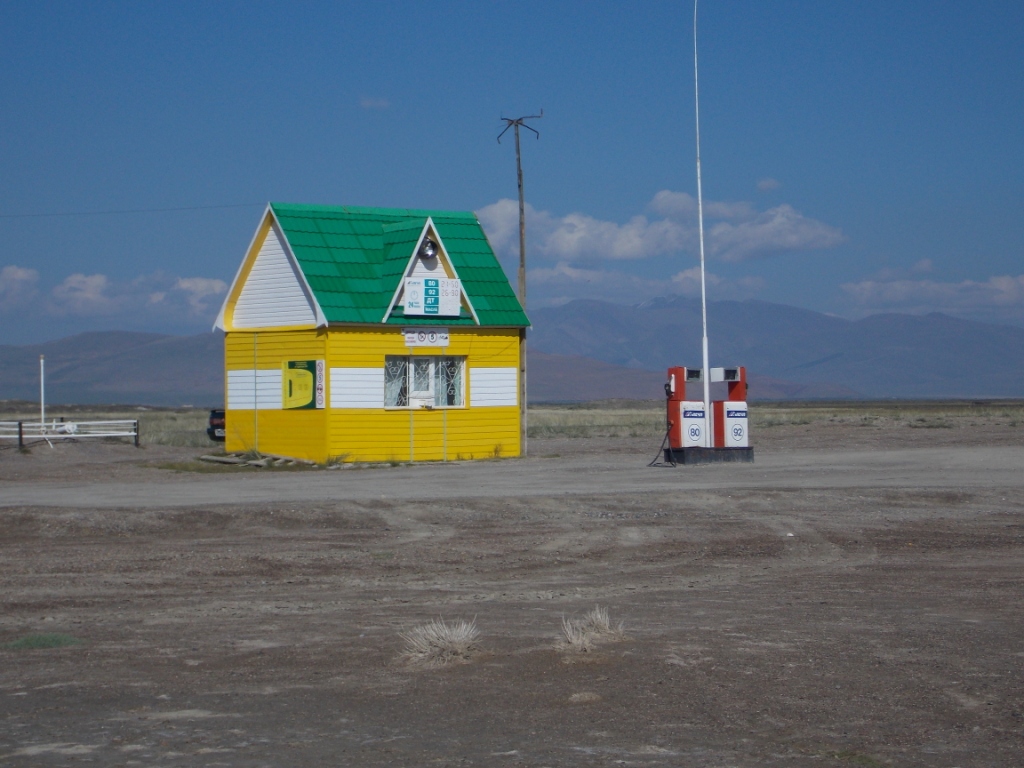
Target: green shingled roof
[(354, 258)]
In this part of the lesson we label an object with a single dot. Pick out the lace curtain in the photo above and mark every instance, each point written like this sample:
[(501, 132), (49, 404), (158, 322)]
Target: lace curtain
[(448, 381), (396, 389)]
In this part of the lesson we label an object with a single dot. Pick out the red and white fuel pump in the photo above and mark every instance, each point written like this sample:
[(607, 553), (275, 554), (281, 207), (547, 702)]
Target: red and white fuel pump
[(699, 437)]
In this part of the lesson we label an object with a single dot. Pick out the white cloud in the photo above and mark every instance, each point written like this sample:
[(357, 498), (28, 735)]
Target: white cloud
[(158, 294), (998, 298), (564, 282), (767, 184), (687, 283), (17, 287), (200, 292), (681, 206), (578, 236), (374, 103), (82, 294), (500, 221), (741, 232), (777, 230)]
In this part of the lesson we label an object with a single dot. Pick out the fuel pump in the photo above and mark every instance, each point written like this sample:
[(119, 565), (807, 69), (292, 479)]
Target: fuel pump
[(694, 437)]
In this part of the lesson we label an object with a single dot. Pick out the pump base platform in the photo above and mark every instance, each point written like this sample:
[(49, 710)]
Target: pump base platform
[(709, 455)]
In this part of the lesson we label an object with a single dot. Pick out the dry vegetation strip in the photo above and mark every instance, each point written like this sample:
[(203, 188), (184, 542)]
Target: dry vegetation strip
[(186, 427)]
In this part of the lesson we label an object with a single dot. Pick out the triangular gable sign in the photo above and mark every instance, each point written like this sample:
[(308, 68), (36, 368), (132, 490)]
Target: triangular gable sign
[(444, 262)]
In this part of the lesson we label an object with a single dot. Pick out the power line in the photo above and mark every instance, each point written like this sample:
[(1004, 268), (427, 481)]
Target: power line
[(132, 210)]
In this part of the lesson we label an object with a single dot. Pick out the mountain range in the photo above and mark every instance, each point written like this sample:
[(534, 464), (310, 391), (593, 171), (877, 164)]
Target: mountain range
[(589, 350), (885, 355)]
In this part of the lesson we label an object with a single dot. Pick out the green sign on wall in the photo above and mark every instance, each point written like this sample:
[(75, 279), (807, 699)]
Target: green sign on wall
[(302, 384)]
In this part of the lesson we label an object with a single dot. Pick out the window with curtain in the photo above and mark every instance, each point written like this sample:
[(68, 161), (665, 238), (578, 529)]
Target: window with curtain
[(422, 381), (396, 390)]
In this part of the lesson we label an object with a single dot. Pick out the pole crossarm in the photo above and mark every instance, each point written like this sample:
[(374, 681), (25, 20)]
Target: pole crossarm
[(520, 122)]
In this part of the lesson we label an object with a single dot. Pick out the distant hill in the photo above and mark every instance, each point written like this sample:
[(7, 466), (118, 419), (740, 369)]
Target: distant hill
[(571, 378), (890, 355), (592, 350), (152, 369), (118, 367)]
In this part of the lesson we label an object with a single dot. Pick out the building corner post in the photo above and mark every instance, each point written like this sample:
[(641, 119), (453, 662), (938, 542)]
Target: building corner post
[(522, 394)]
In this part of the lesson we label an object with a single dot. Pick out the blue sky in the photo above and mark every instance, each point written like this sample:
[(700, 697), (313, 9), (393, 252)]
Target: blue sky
[(857, 157)]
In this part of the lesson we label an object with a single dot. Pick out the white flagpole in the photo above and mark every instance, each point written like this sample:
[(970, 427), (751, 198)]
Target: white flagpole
[(42, 394), (708, 442)]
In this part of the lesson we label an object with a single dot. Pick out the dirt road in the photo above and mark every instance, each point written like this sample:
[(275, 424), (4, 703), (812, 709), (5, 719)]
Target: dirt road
[(862, 606)]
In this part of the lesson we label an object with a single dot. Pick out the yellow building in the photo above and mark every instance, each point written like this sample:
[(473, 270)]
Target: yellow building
[(370, 334)]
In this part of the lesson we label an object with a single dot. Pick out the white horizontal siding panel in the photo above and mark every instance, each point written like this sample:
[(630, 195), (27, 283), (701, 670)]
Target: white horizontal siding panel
[(241, 390), (274, 293), (427, 268), (248, 387), (357, 387), (493, 387), (268, 390)]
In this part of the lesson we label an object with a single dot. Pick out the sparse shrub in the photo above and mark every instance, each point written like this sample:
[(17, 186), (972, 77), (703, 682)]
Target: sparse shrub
[(583, 634), (437, 643), (44, 640), (575, 637), (497, 451)]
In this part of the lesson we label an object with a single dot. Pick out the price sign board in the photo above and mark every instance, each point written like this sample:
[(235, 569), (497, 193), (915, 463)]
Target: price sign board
[(432, 297)]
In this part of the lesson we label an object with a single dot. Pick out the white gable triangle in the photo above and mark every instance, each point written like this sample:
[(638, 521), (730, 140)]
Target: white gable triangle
[(274, 293), (440, 266)]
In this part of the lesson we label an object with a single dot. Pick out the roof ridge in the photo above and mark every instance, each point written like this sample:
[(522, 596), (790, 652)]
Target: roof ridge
[(352, 209), (412, 223)]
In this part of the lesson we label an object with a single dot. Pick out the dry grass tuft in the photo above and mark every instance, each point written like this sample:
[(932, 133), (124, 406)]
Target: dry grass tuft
[(583, 634), (436, 643)]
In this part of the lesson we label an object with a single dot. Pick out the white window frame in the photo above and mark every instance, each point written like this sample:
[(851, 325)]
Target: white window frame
[(428, 398)]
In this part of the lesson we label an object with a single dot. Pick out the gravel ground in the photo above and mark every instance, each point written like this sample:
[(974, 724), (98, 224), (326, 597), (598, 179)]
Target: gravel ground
[(854, 598)]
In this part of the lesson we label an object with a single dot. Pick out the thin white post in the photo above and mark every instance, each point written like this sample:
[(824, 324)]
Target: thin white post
[(42, 393), (255, 396), (705, 372)]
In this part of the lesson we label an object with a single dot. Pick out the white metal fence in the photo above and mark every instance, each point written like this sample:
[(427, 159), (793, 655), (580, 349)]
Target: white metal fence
[(34, 431)]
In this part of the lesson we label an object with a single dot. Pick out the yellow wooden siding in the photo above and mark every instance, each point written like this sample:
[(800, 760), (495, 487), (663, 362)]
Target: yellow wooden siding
[(297, 432), (271, 348), (369, 434)]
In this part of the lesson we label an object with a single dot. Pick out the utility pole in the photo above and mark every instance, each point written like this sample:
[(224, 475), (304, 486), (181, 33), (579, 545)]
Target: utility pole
[(515, 124)]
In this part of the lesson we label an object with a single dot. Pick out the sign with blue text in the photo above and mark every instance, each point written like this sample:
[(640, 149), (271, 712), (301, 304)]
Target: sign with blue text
[(432, 297)]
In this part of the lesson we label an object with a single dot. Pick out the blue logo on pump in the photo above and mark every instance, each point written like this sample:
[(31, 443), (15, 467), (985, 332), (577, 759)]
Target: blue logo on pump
[(736, 414), (693, 414)]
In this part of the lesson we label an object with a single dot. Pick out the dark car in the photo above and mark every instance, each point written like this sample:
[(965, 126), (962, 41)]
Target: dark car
[(216, 428)]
